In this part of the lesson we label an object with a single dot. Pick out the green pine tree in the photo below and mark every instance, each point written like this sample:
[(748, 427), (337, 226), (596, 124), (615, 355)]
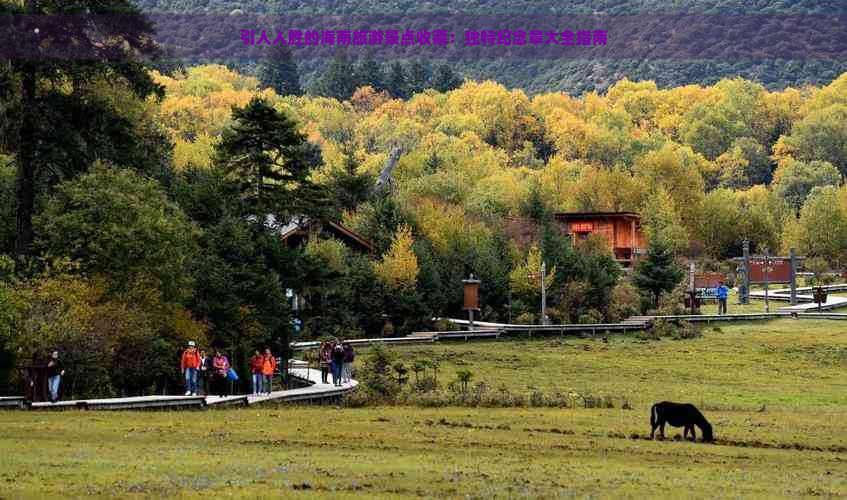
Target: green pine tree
[(658, 272), (271, 160), (397, 84), (369, 72), (339, 79), (348, 187), (64, 128), (445, 79), (279, 72), (419, 76)]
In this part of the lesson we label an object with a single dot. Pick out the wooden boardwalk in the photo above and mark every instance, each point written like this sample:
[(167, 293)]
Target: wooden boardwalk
[(315, 391), (12, 402), (804, 296)]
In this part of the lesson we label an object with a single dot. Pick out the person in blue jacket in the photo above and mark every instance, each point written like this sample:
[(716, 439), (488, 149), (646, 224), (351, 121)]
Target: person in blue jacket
[(721, 294)]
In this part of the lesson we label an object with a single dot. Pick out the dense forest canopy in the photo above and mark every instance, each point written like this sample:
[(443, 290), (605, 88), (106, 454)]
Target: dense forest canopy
[(683, 157), (620, 7), (574, 76)]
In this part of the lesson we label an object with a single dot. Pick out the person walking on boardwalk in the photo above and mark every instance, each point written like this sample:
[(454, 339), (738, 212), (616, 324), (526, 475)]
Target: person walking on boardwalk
[(220, 368), (268, 369), (54, 376), (337, 363), (189, 365), (256, 368), (203, 375), (347, 369), (325, 358), (722, 293)]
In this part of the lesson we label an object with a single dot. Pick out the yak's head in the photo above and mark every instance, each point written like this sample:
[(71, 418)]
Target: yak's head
[(706, 428)]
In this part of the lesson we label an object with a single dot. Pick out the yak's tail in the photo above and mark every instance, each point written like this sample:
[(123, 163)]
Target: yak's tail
[(654, 417)]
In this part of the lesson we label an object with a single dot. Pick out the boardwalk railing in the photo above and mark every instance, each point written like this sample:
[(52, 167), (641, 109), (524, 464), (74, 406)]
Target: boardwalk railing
[(314, 391)]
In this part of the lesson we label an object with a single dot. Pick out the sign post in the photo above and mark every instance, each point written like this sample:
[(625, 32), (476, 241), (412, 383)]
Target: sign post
[(792, 255), (543, 295), (767, 269), (745, 283), (471, 296), (692, 290)]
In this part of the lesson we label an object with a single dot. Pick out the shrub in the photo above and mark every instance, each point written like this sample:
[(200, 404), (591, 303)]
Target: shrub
[(537, 399), (688, 330), (401, 371), (664, 328), (560, 400), (377, 378), (356, 399), (625, 302), (672, 303), (590, 317), (526, 318), (426, 383), (649, 334), (463, 377), (443, 325)]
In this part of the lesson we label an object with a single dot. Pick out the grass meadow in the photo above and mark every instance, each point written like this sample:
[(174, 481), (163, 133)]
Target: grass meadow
[(775, 392)]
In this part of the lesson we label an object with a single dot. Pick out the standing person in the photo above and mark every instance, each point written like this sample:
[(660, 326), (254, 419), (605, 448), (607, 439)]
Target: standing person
[(189, 364), (721, 294), (268, 368), (337, 363), (349, 356), (203, 376), (220, 368), (54, 376), (325, 357), (256, 367)]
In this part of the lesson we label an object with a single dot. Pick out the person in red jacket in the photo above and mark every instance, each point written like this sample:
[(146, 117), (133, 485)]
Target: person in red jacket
[(256, 368), (189, 365), (268, 369)]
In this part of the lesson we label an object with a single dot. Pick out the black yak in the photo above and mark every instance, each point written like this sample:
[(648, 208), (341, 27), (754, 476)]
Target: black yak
[(679, 415)]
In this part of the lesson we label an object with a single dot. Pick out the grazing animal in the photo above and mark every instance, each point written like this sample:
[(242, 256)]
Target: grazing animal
[(684, 415)]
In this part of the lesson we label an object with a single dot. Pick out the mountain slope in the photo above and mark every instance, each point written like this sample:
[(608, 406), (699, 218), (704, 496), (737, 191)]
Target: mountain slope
[(570, 75)]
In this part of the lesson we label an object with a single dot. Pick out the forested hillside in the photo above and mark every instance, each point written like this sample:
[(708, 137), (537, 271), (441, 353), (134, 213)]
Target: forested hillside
[(570, 75)]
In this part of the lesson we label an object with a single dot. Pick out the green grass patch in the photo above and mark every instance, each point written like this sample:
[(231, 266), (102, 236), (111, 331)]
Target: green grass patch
[(792, 364), (774, 392), (323, 452)]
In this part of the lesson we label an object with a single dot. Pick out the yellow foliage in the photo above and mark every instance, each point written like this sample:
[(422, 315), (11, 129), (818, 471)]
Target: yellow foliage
[(331, 251), (366, 99), (447, 226), (197, 153), (525, 277), (678, 170), (399, 266)]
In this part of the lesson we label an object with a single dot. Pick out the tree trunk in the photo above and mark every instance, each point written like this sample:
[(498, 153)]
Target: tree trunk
[(25, 175)]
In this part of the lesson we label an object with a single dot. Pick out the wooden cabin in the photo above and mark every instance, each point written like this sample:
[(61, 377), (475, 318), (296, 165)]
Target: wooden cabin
[(298, 233), (622, 230)]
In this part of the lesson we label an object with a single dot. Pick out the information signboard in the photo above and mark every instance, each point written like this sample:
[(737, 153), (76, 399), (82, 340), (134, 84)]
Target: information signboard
[(778, 270), (706, 284)]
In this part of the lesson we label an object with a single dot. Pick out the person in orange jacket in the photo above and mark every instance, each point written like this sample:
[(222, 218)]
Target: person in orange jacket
[(268, 369), (189, 364), (256, 369)]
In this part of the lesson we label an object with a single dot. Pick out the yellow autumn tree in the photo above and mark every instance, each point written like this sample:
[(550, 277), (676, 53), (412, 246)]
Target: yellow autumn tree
[(525, 277), (399, 266)]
